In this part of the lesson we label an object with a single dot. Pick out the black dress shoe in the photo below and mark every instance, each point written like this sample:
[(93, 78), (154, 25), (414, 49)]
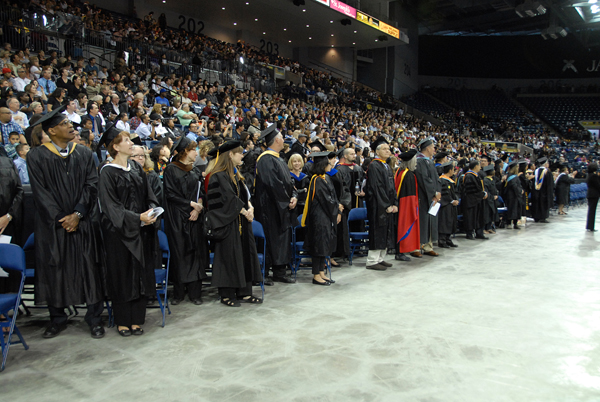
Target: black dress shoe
[(175, 302), (197, 302), (284, 279), (401, 257), (97, 332), (53, 330), (324, 283), (269, 281), (330, 280), (443, 245), (470, 237), (544, 221), (385, 264), (377, 267), (482, 237), (591, 230), (451, 244), (137, 331)]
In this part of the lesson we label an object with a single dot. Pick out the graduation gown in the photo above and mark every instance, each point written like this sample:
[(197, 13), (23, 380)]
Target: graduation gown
[(274, 188), (490, 209), (189, 248), (472, 195), (67, 269), (542, 194), (343, 196), (448, 213), (526, 186), (380, 194), (428, 182), (513, 197), (156, 185), (352, 175), (301, 185), (320, 217), (11, 197), (408, 234), (236, 260), (563, 189), (131, 251), (299, 149)]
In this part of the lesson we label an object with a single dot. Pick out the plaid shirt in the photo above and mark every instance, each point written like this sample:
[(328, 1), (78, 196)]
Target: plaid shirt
[(8, 128)]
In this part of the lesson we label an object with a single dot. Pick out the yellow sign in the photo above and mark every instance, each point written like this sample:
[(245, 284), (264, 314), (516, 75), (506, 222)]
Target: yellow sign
[(380, 25)]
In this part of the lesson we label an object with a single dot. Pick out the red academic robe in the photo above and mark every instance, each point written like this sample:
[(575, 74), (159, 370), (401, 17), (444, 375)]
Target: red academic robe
[(408, 211)]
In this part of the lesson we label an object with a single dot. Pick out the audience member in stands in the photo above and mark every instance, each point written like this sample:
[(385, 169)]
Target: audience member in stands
[(562, 187), (21, 162)]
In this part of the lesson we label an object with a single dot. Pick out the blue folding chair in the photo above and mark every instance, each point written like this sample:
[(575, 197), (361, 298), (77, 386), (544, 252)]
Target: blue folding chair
[(12, 257), (357, 239), (29, 274), (259, 233), (162, 276)]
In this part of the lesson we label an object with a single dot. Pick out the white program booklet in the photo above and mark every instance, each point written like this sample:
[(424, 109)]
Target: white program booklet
[(434, 208)]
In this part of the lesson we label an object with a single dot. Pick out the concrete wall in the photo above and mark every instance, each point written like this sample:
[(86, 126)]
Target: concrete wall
[(406, 58), (338, 60)]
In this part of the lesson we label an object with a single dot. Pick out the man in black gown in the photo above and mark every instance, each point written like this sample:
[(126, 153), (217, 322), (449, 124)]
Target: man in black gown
[(542, 194), (63, 180), (274, 198), (429, 192), (473, 194), (381, 205)]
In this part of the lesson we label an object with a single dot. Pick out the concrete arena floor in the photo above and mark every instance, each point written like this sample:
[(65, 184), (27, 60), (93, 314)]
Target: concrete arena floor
[(514, 318)]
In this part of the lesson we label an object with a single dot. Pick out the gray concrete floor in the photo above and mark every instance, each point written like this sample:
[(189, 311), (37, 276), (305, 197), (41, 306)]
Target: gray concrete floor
[(514, 318)]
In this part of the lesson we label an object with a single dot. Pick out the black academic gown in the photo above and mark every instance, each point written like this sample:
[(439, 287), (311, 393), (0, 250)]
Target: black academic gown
[(157, 187), (67, 264), (380, 194), (448, 213), (343, 196), (352, 175), (428, 184), (526, 186), (542, 199), (512, 194), (131, 251), (301, 185), (563, 189), (236, 260), (490, 209), (189, 248), (273, 190), (11, 197), (322, 211), (299, 149), (472, 195)]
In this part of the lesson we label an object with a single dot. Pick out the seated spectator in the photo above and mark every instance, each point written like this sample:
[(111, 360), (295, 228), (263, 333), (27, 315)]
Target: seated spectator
[(92, 66), (21, 80), (145, 130), (136, 118), (171, 131), (64, 81), (71, 113), (21, 163), (10, 147), (47, 85), (56, 99), (122, 122), (160, 156), (185, 116), (18, 117), (195, 131), (162, 99)]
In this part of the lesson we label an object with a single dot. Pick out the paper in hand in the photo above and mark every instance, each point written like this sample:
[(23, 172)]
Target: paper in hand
[(434, 208)]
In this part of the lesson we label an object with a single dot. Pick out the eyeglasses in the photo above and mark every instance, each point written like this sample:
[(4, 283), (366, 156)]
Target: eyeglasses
[(138, 156)]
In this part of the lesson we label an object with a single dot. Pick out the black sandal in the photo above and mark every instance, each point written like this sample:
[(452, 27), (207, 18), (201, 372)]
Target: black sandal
[(250, 299), (230, 303)]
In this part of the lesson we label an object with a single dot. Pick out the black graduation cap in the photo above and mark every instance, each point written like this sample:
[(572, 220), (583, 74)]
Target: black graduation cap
[(181, 144), (424, 144), (226, 147), (319, 156), (489, 168), (541, 160), (109, 134), (486, 157), (523, 162), (318, 144), (512, 164), (340, 152), (380, 140), (440, 155), (52, 119), (446, 164), (268, 133), (408, 155)]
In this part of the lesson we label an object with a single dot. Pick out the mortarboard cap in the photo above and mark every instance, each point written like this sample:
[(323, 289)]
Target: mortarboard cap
[(446, 164), (110, 133), (541, 160), (181, 144), (523, 162), (424, 144), (318, 156), (380, 140), (52, 119), (512, 164), (226, 147), (440, 155), (408, 155), (318, 144), (269, 133), (489, 168)]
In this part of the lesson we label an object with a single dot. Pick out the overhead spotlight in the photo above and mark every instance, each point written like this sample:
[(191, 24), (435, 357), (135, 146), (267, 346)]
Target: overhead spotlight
[(346, 21), (299, 2), (530, 9), (554, 32)]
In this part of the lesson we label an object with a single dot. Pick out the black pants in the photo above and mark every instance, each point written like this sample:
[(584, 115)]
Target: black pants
[(194, 290), (318, 265), (513, 221), (279, 271), (591, 217), (233, 293), (92, 317), (130, 313), (489, 226), (444, 238)]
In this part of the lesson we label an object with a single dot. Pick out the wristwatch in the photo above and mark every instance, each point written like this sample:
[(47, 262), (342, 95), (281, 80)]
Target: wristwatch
[(79, 215), (9, 216)]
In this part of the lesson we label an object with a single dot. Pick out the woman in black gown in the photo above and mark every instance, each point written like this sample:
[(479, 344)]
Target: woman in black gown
[(301, 181), (182, 191), (321, 216), (129, 236), (512, 193), (236, 264), (562, 188)]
